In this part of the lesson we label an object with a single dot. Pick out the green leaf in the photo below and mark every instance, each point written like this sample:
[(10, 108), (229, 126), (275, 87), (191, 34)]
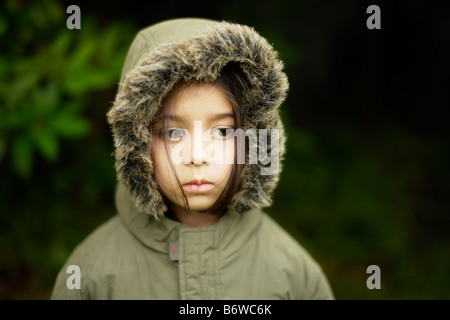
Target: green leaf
[(48, 98), (22, 154), (84, 80), (109, 43), (19, 119), (100, 79), (82, 55), (47, 144), (20, 88), (62, 43), (70, 125)]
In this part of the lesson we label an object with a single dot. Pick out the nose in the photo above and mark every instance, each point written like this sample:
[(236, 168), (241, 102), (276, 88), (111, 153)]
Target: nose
[(198, 146)]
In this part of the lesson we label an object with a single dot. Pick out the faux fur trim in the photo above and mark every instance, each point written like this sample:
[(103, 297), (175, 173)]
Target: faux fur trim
[(200, 58)]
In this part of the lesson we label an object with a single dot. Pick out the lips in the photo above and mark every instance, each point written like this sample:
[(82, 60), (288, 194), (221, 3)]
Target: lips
[(198, 186)]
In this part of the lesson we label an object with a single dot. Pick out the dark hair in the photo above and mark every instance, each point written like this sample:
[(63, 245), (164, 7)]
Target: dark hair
[(233, 84)]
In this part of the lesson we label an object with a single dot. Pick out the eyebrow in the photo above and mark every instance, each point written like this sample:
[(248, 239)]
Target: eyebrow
[(221, 116), (214, 117)]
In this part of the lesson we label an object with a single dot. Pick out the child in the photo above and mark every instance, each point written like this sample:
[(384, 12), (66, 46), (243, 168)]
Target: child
[(196, 104)]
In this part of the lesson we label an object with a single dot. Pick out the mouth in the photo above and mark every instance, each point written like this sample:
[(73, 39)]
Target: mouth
[(198, 186)]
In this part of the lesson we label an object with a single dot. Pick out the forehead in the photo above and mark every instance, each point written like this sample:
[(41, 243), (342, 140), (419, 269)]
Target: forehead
[(197, 100)]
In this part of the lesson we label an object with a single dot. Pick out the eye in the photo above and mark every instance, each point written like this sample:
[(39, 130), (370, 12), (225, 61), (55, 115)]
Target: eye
[(222, 133), (173, 135)]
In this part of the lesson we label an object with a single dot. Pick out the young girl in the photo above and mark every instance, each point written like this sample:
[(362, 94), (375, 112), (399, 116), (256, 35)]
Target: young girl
[(198, 141)]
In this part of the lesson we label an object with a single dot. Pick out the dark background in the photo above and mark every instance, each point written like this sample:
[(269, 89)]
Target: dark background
[(365, 179)]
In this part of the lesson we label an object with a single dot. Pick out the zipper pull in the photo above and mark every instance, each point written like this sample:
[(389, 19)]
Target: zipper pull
[(173, 248)]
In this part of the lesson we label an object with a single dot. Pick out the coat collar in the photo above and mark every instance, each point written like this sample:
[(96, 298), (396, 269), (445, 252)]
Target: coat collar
[(231, 231)]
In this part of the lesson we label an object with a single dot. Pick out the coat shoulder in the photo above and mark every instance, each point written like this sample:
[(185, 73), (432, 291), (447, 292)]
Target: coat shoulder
[(308, 279), (99, 245), (95, 253)]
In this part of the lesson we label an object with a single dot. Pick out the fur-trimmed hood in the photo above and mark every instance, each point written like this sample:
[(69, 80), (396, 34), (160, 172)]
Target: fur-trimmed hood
[(185, 50)]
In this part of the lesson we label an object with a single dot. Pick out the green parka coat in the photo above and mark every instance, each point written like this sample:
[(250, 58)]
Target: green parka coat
[(142, 254)]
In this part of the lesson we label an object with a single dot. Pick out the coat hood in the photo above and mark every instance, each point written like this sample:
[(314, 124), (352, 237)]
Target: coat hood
[(184, 50)]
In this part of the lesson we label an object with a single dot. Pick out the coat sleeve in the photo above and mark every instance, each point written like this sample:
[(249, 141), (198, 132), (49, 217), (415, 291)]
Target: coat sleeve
[(319, 288), (61, 290), (305, 277), (90, 258)]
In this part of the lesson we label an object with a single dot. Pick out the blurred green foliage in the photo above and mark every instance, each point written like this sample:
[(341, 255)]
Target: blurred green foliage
[(55, 153), (354, 200), (46, 75)]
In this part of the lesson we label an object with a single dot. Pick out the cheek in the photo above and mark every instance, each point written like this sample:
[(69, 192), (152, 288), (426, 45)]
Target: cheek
[(224, 172), (161, 166), (224, 152), (230, 151)]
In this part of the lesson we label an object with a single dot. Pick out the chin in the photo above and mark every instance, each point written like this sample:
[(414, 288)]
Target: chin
[(200, 206), (202, 209)]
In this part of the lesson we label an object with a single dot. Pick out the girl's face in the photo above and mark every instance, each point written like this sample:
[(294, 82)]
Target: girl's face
[(198, 145)]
